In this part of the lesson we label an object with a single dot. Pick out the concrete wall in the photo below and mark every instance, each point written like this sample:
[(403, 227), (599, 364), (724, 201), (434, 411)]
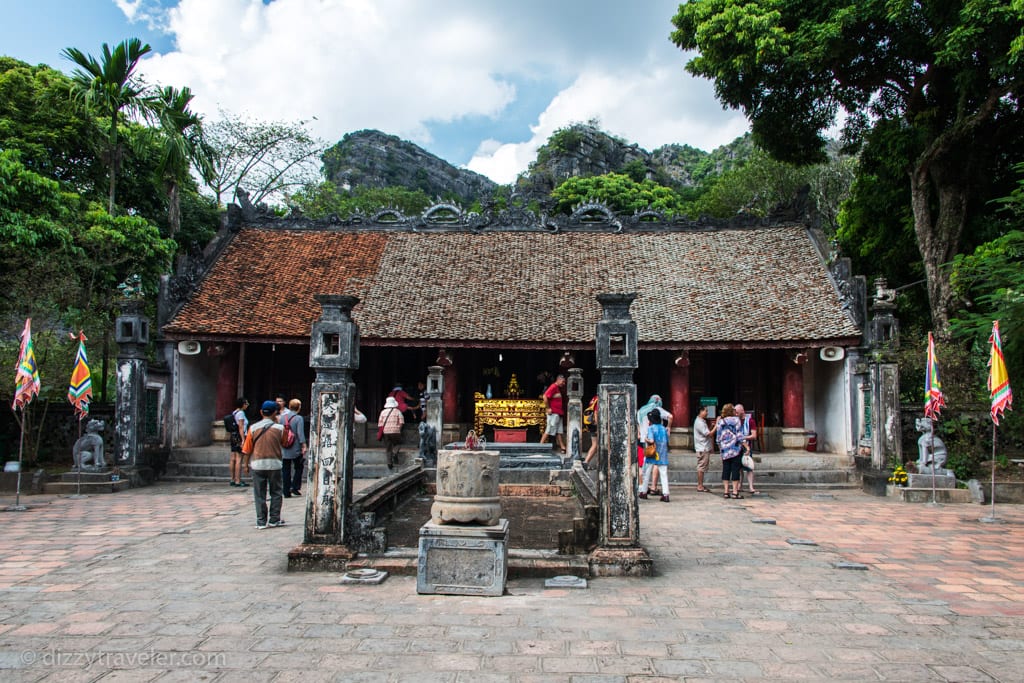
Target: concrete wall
[(829, 406), (195, 396)]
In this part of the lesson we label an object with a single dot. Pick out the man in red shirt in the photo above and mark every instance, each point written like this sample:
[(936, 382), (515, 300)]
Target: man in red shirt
[(554, 406)]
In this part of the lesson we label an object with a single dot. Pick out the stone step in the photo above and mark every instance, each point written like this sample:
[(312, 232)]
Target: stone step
[(921, 495), (67, 488)]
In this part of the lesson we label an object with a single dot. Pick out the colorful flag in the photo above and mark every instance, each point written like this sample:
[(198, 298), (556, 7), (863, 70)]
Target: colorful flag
[(26, 376), (934, 401), (998, 379), (80, 389)]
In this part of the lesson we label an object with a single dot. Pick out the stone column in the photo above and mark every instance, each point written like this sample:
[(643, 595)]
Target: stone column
[(131, 332), (574, 413), (619, 552), (435, 407), (334, 354), (884, 378)]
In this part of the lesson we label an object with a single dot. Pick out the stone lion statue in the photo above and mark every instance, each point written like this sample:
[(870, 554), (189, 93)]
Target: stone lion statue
[(88, 450), (931, 449)]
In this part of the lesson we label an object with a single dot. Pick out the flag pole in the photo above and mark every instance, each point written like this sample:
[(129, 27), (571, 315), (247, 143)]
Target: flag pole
[(931, 452)]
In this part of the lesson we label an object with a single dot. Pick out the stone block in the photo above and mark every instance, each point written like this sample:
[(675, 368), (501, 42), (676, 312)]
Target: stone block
[(463, 559), (924, 481)]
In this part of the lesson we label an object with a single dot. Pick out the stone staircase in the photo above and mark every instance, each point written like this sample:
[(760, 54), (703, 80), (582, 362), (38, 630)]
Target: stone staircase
[(792, 468), (91, 483)]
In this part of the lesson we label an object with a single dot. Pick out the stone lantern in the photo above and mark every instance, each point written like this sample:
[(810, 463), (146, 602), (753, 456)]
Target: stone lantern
[(131, 332)]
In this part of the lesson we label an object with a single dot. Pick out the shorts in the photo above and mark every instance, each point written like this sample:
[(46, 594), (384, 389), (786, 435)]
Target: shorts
[(236, 443), (703, 461), (554, 425)]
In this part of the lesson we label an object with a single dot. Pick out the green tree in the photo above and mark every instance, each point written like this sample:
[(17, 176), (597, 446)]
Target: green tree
[(324, 199), (111, 88), (946, 75), (268, 159), (620, 192), (183, 148)]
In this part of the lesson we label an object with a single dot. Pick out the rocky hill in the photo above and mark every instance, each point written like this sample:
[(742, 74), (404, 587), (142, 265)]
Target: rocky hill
[(371, 158)]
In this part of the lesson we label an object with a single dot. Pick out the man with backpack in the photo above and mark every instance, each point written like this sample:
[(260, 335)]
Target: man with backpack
[(293, 455), (264, 444)]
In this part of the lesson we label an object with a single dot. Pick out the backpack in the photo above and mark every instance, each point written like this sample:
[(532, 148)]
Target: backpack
[(230, 424), (289, 436), (588, 414)]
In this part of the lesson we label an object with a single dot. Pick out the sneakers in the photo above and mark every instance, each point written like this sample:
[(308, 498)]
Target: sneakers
[(260, 526), (664, 499), (231, 483), (279, 522)]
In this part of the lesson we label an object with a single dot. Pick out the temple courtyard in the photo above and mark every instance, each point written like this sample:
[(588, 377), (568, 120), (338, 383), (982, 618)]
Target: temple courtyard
[(173, 583)]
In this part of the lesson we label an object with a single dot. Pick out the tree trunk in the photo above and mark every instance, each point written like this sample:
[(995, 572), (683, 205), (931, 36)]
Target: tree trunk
[(938, 236), (173, 208), (113, 162)]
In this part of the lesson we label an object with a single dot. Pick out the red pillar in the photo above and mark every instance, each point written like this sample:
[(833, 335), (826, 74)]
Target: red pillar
[(679, 395), (451, 393), (227, 380), (792, 395)]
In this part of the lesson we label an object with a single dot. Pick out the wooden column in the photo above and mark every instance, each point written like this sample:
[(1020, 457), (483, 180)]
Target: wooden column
[(679, 395), (792, 395), (227, 381), (451, 394)]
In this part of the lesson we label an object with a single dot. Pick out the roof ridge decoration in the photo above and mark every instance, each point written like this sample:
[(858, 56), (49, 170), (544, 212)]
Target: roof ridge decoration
[(591, 215)]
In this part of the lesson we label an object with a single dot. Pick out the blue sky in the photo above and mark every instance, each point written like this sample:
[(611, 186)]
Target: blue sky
[(480, 83)]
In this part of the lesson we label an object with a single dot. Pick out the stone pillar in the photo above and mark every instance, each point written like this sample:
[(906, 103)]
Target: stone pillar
[(131, 332), (884, 378), (574, 413), (679, 394), (435, 406), (619, 552), (334, 354)]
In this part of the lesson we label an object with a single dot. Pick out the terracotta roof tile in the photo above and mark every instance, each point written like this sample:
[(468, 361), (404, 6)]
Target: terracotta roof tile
[(758, 286)]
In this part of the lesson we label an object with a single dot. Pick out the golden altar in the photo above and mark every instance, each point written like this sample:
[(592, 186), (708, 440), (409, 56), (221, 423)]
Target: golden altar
[(507, 413)]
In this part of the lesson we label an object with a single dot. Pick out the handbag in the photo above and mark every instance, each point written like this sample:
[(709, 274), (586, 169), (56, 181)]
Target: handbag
[(748, 461), (650, 450)]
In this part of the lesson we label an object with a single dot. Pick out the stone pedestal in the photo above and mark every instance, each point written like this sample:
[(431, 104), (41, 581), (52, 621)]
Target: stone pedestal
[(463, 559), (794, 438), (924, 481), (467, 487)]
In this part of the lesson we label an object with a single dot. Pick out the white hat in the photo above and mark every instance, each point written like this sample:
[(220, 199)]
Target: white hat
[(390, 402)]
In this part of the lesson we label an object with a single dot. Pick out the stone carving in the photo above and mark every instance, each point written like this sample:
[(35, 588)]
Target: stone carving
[(467, 488), (428, 443), (88, 450), (931, 449)]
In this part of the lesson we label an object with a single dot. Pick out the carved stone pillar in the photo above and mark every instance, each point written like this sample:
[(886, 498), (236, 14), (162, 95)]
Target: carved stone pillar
[(884, 378), (435, 408), (334, 354), (131, 332), (619, 552), (574, 413)]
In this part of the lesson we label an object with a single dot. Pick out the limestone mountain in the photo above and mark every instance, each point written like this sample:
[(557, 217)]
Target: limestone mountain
[(370, 158)]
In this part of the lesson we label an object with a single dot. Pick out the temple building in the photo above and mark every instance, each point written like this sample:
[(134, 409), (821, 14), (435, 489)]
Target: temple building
[(749, 310)]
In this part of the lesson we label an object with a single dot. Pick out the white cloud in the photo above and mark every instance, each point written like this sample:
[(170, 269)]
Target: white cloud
[(651, 109), (402, 66)]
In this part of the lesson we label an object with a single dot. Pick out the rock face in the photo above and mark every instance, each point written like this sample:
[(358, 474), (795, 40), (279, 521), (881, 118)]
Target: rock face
[(370, 158), (584, 150)]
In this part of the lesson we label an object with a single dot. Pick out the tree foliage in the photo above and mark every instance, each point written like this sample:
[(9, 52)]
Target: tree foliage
[(945, 76), (269, 160), (325, 199), (619, 191)]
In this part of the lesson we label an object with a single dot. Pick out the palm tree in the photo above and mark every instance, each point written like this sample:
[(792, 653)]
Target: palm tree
[(110, 87), (183, 147)]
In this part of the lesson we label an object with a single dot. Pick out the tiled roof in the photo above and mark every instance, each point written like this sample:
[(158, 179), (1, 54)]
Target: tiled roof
[(757, 287)]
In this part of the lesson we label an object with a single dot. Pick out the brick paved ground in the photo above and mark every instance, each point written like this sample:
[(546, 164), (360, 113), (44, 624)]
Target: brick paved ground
[(173, 583)]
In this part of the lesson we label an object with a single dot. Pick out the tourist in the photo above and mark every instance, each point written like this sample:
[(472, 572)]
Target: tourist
[(554, 408), (389, 426), (749, 430), (590, 422), (282, 406), (404, 399), (263, 444), (293, 457), (730, 439), (421, 412), (702, 444), (643, 422), (657, 435), (239, 459)]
